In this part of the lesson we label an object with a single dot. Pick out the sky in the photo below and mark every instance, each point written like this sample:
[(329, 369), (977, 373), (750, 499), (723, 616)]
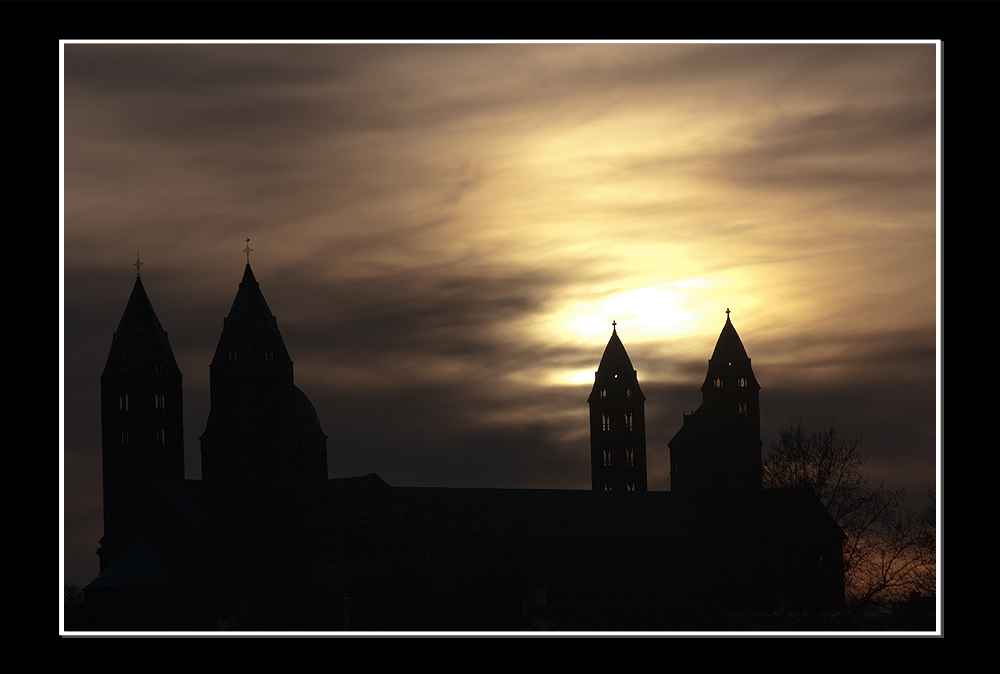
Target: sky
[(446, 231)]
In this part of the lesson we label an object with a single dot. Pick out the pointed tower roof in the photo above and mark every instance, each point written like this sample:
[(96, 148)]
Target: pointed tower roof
[(140, 338), (729, 359), (615, 363), (615, 358), (729, 348), (250, 325)]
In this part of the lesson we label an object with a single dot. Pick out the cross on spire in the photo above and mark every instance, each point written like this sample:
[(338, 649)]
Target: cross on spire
[(248, 250), (137, 264), (613, 324), (727, 313)]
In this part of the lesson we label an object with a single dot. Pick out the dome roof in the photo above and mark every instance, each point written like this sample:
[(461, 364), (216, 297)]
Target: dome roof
[(306, 419)]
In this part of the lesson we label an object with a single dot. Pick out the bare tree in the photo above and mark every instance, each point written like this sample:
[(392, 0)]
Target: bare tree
[(887, 554)]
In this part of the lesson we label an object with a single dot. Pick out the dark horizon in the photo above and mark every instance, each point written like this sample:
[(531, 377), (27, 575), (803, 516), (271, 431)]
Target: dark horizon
[(445, 261)]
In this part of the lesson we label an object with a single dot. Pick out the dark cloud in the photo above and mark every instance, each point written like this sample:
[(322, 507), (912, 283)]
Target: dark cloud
[(417, 211), (879, 158)]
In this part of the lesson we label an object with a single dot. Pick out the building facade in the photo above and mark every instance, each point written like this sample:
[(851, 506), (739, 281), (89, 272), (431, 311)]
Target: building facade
[(718, 449), (266, 541), (617, 423)]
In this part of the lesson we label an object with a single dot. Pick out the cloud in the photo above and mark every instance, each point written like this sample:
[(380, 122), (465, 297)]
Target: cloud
[(441, 231)]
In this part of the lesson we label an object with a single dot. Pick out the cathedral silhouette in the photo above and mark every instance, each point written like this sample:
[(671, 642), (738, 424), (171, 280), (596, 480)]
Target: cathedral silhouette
[(267, 541)]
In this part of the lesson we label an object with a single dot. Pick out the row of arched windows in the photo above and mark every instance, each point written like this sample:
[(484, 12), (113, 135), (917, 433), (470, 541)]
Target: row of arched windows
[(741, 382), (604, 393), (606, 421), (161, 437), (630, 486), (629, 457), (159, 402), (233, 356)]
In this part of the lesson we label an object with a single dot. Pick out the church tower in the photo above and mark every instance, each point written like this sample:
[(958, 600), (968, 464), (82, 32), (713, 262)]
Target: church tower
[(719, 448), (261, 427), (142, 421), (617, 423)]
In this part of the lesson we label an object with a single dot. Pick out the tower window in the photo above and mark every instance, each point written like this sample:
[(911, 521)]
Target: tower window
[(630, 456), (604, 393), (628, 422), (628, 393), (605, 422), (159, 401), (607, 457), (741, 409), (123, 402), (232, 356), (718, 383)]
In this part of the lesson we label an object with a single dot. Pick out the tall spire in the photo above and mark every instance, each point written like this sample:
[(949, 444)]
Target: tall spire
[(719, 446), (142, 422), (260, 426), (617, 422)]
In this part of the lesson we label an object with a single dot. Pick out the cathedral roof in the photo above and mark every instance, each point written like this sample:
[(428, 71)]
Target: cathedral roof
[(729, 348), (502, 512), (615, 364), (615, 359), (139, 339), (250, 326), (729, 360)]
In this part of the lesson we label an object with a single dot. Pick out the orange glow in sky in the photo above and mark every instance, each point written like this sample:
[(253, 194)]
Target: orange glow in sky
[(445, 233)]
